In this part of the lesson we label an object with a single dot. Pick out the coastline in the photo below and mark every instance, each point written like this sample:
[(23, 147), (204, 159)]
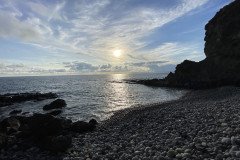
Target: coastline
[(201, 124)]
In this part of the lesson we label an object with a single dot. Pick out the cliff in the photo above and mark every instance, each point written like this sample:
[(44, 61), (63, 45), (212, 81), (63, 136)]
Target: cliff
[(222, 48)]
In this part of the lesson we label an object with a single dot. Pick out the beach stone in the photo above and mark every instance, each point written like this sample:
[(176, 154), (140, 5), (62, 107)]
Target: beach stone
[(234, 140), (179, 156), (179, 150), (237, 154), (226, 140), (186, 155), (58, 103), (171, 153), (234, 148)]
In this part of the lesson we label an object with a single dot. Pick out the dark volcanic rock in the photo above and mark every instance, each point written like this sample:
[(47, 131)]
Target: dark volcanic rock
[(54, 113), (3, 140), (9, 99), (10, 125), (93, 122), (222, 48), (59, 103), (81, 126), (45, 125)]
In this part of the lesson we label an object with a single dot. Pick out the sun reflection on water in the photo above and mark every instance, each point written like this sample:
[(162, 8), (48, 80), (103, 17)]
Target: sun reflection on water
[(118, 96)]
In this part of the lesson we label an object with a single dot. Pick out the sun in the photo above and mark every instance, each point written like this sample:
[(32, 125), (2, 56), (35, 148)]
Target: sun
[(117, 53)]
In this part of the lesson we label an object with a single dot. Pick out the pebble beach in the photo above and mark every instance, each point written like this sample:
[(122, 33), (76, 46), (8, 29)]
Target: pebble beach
[(204, 124)]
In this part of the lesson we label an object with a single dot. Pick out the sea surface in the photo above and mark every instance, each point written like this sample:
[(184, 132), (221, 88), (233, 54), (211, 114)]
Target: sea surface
[(87, 96)]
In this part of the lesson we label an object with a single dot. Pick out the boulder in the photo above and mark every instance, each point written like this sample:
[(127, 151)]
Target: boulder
[(45, 125), (93, 122), (81, 126), (58, 103)]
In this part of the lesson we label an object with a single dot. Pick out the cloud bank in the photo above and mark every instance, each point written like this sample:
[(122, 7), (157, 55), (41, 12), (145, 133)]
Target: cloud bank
[(95, 29)]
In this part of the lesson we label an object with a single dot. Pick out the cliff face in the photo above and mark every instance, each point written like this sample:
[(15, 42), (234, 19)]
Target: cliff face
[(223, 33), (222, 49)]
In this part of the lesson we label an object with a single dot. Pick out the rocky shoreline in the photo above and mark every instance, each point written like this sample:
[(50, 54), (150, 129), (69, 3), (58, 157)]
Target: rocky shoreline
[(221, 66), (202, 124)]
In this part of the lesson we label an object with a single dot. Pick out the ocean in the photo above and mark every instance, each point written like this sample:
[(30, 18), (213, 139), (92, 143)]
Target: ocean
[(87, 96)]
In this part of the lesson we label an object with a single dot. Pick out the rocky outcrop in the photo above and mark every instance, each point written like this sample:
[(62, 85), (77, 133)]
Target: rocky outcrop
[(43, 130), (9, 99), (222, 48)]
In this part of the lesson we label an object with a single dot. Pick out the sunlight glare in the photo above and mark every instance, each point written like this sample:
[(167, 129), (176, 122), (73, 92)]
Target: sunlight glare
[(117, 53)]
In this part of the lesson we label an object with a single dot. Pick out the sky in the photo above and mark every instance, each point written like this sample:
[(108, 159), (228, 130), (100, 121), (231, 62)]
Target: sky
[(63, 37)]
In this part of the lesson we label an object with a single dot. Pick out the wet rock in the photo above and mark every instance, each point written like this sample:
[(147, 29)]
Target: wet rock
[(15, 112), (9, 99), (81, 126), (10, 125), (58, 103), (56, 112), (44, 125)]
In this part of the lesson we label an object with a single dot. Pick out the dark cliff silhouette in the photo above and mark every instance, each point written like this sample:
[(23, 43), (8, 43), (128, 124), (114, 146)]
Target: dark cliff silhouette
[(222, 49)]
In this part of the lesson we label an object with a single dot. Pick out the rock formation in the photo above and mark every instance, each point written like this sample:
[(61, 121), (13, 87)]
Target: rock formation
[(222, 48)]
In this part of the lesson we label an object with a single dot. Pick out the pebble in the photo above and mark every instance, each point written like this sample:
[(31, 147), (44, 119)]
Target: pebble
[(237, 154), (171, 153), (226, 141)]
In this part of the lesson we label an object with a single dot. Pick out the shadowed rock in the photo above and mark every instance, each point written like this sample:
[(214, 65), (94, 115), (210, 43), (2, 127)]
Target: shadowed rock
[(10, 125), (9, 99), (45, 125), (81, 126), (15, 112), (59, 103), (58, 143), (54, 113)]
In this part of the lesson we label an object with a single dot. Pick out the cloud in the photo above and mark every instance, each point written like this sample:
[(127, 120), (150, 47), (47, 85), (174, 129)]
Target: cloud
[(106, 66), (92, 28), (148, 63), (22, 69), (11, 27), (48, 12), (81, 67)]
